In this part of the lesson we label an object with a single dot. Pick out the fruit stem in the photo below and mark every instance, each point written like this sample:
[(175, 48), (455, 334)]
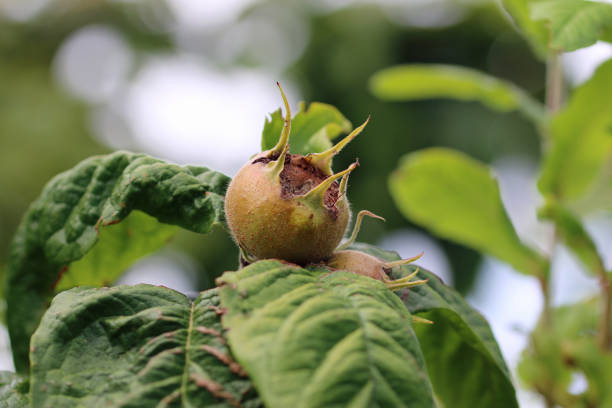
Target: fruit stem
[(323, 160), (317, 194), (357, 226), (284, 138)]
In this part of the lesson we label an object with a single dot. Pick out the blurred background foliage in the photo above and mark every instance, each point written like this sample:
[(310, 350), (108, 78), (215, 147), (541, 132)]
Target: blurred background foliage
[(72, 74)]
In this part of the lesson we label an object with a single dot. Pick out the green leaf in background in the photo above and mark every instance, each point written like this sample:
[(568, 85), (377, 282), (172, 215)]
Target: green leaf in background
[(566, 345), (574, 171), (312, 129), (573, 24), (138, 346), (534, 31), (425, 81), (64, 224), (311, 338), (463, 359), (574, 236), (12, 391), (458, 198)]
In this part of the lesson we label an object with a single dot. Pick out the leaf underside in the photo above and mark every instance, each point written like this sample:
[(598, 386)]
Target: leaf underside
[(573, 24), (81, 205), (463, 359), (135, 346), (311, 338)]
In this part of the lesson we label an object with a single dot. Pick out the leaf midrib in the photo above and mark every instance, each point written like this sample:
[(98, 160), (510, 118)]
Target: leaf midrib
[(185, 378), (373, 379)]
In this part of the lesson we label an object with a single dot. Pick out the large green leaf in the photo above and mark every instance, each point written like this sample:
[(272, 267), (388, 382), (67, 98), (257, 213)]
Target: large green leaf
[(82, 205), (140, 346), (424, 81), (12, 391), (463, 359), (312, 129), (574, 171), (573, 24), (311, 338), (458, 198), (566, 344), (534, 31)]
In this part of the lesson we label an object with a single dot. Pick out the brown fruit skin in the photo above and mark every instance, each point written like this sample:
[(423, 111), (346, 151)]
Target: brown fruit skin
[(359, 263), (266, 225)]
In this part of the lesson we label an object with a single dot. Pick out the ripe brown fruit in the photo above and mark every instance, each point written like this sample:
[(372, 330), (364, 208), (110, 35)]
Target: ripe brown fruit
[(289, 206)]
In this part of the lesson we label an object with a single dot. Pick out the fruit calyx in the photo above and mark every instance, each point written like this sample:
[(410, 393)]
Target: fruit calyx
[(308, 178)]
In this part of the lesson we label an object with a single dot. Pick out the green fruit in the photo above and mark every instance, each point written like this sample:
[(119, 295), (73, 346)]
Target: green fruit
[(289, 206)]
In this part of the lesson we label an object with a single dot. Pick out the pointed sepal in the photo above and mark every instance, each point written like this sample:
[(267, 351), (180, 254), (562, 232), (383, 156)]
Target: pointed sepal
[(316, 197), (405, 282), (324, 159), (357, 226), (283, 142)]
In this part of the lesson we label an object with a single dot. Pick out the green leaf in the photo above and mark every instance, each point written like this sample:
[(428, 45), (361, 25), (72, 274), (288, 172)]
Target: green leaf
[(459, 348), (568, 343), (312, 129), (573, 24), (311, 338), (458, 198), (574, 171), (574, 236), (78, 207), (425, 81), (12, 391), (118, 247), (534, 31), (139, 346)]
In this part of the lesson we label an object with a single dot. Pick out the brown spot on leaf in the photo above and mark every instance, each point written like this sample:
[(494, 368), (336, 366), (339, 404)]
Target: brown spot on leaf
[(225, 359), (215, 389), (218, 310), (211, 331)]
